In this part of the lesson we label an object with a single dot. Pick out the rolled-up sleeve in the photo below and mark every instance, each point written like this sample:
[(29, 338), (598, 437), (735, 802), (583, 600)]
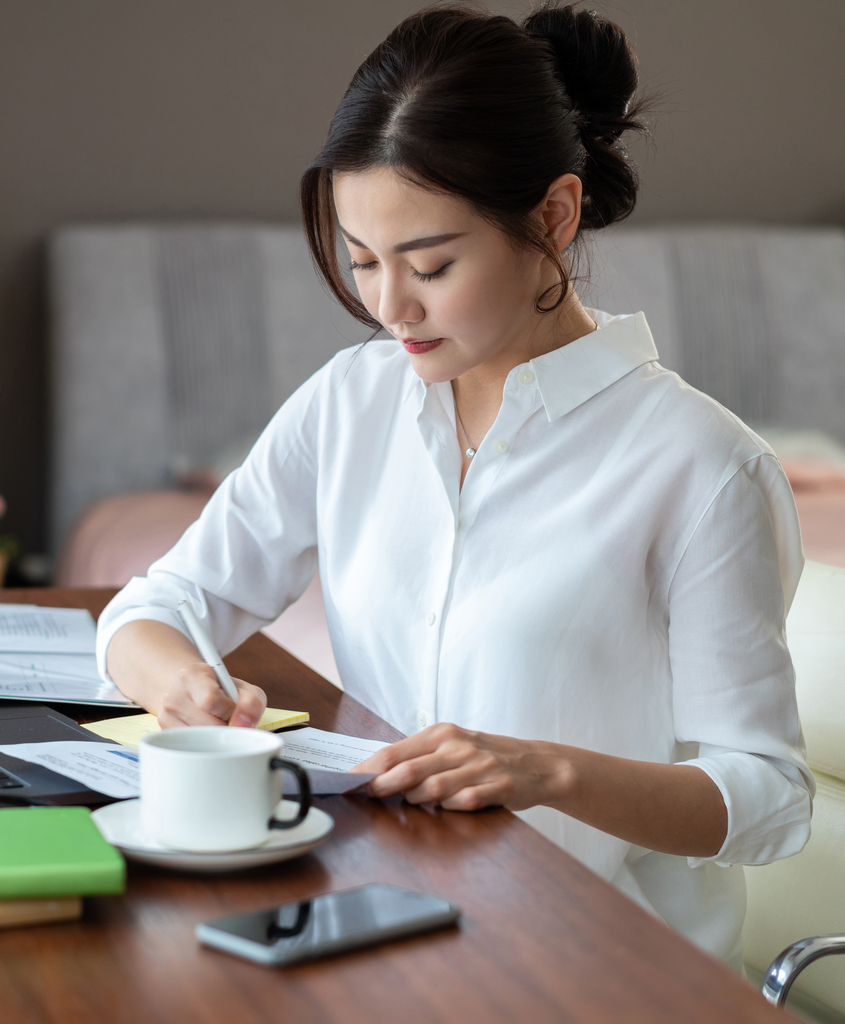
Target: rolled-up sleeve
[(732, 676), (253, 550)]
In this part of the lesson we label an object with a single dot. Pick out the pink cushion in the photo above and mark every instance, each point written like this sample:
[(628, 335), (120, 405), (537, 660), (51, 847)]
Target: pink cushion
[(822, 516), (819, 488), (119, 537), (814, 475)]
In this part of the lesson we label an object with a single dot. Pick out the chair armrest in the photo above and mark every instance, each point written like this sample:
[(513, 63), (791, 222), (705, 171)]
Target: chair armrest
[(786, 967)]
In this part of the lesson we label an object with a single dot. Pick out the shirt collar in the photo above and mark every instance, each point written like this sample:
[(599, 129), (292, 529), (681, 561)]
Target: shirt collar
[(414, 385), (569, 376)]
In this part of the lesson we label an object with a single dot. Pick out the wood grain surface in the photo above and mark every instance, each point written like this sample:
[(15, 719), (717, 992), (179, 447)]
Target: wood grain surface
[(542, 939)]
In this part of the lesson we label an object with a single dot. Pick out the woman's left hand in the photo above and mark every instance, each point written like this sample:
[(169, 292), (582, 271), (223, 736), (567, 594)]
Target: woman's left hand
[(672, 808), (462, 770)]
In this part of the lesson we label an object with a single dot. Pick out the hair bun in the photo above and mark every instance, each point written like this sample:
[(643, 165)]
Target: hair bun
[(598, 69), (595, 60)]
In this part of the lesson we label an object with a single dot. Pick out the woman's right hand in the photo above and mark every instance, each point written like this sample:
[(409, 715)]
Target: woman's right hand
[(196, 698), (159, 668)]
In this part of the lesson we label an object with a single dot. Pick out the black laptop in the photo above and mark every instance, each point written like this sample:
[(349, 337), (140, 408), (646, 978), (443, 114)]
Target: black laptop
[(25, 783)]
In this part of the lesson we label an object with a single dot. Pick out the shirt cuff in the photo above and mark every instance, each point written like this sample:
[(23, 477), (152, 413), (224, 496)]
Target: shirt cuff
[(769, 806)]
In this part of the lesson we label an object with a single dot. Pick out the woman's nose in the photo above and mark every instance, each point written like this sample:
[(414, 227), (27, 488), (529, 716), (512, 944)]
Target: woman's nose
[(396, 303)]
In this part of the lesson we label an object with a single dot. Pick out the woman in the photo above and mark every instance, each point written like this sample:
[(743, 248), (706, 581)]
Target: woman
[(558, 569)]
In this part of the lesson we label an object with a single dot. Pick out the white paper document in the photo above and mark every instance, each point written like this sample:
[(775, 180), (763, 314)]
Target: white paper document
[(26, 627), (47, 654), (57, 677), (314, 748), (104, 767), (112, 769)]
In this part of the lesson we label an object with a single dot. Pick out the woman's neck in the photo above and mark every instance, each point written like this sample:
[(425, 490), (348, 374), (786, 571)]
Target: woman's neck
[(479, 390)]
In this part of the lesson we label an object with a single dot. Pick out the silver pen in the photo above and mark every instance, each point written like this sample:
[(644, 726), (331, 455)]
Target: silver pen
[(208, 652)]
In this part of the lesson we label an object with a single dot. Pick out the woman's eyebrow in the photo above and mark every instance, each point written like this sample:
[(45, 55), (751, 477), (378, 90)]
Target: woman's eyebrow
[(415, 243)]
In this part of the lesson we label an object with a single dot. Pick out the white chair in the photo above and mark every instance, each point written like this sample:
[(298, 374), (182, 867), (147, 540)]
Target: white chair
[(805, 895)]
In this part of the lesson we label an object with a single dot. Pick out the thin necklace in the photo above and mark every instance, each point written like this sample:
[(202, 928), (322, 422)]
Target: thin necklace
[(470, 450)]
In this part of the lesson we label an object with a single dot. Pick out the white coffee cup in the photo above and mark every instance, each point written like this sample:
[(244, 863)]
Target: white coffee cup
[(210, 789)]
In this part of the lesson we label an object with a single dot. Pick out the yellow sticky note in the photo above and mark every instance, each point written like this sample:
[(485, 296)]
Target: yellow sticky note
[(130, 729)]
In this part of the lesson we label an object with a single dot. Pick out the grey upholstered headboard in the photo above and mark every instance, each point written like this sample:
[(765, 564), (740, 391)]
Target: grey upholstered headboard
[(752, 315), (171, 341)]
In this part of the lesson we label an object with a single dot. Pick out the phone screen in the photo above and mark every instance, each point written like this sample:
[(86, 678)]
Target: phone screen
[(328, 923)]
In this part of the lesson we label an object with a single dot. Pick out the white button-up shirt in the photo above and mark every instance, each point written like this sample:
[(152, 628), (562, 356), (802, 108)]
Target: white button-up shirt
[(614, 574)]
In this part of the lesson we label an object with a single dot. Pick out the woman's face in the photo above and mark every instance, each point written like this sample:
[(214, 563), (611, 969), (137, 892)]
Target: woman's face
[(446, 283)]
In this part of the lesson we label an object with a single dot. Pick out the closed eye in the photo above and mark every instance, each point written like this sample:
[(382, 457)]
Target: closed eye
[(362, 266), (435, 274)]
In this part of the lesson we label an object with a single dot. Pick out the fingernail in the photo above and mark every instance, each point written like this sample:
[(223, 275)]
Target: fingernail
[(242, 722)]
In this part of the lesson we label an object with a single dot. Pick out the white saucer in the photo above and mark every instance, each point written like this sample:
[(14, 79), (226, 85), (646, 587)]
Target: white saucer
[(120, 825)]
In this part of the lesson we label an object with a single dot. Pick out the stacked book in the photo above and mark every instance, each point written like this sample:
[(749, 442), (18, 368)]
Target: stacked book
[(50, 858)]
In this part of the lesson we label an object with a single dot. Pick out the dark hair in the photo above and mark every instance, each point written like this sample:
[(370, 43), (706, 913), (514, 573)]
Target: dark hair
[(471, 104)]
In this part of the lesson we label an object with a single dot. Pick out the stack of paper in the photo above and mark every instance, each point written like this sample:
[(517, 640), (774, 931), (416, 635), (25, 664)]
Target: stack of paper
[(47, 654)]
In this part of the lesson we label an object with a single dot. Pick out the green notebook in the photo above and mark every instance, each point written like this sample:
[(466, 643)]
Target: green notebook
[(55, 851)]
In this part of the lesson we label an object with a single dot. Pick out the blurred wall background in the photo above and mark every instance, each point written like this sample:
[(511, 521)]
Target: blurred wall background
[(212, 108)]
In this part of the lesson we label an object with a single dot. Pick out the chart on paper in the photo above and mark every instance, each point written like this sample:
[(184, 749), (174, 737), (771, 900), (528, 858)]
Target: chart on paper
[(65, 692), (109, 769), (47, 654), (71, 678)]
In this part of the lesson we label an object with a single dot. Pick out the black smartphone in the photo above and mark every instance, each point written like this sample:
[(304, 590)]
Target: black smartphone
[(328, 924)]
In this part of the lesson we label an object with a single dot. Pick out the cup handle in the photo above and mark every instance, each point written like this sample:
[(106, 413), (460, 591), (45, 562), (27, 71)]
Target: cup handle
[(304, 792)]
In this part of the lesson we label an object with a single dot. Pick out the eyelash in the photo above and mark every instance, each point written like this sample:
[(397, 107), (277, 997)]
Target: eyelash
[(414, 273), (431, 277)]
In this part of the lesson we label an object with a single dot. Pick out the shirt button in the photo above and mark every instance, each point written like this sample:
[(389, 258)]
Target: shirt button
[(421, 719), (526, 377), (500, 447), (430, 619)]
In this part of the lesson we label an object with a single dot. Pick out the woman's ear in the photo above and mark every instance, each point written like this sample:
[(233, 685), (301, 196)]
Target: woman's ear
[(561, 209)]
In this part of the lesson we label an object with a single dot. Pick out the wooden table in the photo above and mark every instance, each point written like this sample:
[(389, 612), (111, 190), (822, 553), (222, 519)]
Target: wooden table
[(542, 938)]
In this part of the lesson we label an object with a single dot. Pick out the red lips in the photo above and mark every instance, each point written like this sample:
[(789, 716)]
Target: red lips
[(416, 346)]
